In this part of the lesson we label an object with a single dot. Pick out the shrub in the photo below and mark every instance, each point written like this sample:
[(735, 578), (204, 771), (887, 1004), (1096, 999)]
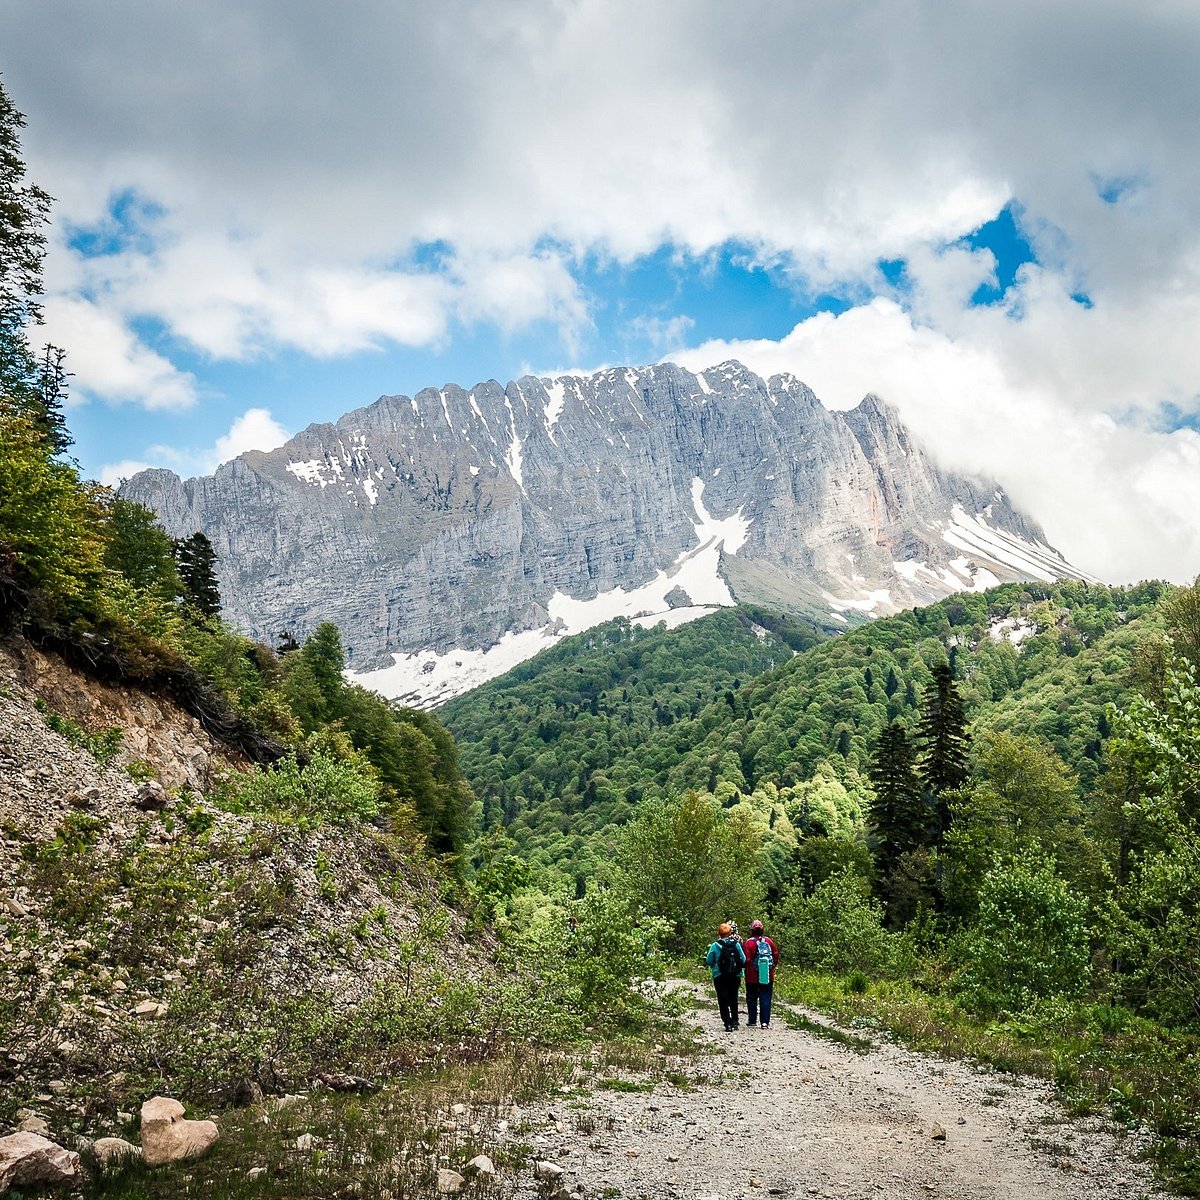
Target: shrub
[(838, 928), (1030, 941), (338, 790)]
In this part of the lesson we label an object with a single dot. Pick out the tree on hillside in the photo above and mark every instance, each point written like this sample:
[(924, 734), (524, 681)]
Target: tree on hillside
[(196, 561), (688, 860), (49, 396), (24, 212), (1022, 800), (898, 816), (1181, 611), (140, 549), (942, 736)]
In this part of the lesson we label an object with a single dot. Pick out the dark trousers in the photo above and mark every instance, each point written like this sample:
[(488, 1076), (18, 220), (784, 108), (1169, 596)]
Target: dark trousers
[(758, 1000), (727, 998)]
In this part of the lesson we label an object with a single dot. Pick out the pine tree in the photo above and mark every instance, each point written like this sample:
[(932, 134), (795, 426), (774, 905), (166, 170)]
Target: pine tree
[(49, 396), (24, 211), (196, 561), (943, 741), (899, 818)]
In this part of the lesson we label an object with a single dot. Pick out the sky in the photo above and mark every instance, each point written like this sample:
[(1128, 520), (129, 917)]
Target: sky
[(270, 212)]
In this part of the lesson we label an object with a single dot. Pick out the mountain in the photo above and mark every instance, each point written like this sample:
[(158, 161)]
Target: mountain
[(455, 533)]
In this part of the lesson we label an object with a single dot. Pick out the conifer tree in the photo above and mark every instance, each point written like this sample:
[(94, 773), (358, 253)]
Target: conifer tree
[(196, 561), (49, 396), (24, 211), (943, 741), (899, 818)]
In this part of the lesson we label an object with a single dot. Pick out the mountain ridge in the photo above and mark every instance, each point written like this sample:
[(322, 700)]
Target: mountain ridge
[(452, 533)]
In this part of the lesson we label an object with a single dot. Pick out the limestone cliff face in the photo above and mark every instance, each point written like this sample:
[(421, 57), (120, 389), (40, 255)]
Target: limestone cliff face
[(451, 518)]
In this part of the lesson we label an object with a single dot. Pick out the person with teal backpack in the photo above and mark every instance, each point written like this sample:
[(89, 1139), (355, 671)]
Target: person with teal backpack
[(761, 957)]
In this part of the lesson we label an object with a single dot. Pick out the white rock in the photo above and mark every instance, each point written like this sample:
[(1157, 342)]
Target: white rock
[(256, 1172), (544, 1169), (167, 1137), (27, 1159), (449, 1182), (482, 1165), (113, 1149), (305, 1141)]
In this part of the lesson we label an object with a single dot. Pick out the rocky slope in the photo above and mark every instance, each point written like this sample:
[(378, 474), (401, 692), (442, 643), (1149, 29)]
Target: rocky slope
[(453, 532), (149, 939)]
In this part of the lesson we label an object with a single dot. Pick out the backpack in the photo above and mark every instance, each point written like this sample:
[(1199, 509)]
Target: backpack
[(728, 962), (764, 957)]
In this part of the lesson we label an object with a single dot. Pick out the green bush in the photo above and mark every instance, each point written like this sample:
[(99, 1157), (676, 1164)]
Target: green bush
[(339, 790), (1030, 941), (589, 975), (839, 928)]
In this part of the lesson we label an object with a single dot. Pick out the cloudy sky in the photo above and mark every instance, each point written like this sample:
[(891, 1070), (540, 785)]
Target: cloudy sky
[(271, 211)]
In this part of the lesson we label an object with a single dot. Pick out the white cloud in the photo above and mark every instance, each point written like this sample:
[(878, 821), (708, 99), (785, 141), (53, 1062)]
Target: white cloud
[(288, 173), (108, 360), (1119, 500), (255, 429)]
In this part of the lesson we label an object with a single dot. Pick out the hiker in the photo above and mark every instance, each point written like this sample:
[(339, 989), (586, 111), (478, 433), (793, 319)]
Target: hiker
[(761, 956), (725, 959)]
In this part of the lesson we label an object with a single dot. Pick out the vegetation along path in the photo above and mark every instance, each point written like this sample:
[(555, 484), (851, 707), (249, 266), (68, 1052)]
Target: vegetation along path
[(793, 1112)]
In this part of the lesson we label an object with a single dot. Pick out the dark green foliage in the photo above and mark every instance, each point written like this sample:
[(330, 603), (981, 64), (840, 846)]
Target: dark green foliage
[(577, 736), (24, 212), (899, 819), (49, 396), (942, 736), (196, 562), (415, 757), (140, 549)]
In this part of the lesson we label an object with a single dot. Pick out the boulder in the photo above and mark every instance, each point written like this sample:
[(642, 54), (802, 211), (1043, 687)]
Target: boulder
[(113, 1149), (152, 796), (449, 1182), (481, 1164), (27, 1159), (167, 1137)]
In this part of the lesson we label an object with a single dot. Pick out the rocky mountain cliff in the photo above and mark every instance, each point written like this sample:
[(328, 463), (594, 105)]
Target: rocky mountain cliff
[(454, 533)]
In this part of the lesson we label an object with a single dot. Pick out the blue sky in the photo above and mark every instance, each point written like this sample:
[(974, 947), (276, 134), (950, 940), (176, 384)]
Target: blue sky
[(267, 215)]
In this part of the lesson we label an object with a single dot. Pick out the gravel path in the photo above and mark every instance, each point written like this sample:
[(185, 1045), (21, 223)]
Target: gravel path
[(793, 1114)]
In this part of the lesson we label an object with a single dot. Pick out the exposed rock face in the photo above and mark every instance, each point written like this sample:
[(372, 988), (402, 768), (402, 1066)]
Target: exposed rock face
[(168, 1137), (453, 518)]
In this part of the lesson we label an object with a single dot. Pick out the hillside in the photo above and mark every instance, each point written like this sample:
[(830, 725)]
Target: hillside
[(562, 750), (155, 940), (551, 743)]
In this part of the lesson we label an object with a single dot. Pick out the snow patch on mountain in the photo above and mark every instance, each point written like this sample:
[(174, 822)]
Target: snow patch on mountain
[(427, 679)]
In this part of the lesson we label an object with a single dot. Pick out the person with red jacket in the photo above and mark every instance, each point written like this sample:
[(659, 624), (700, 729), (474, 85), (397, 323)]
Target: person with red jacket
[(761, 957)]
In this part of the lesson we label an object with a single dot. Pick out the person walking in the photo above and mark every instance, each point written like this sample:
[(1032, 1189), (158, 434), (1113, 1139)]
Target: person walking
[(761, 955), (725, 959)]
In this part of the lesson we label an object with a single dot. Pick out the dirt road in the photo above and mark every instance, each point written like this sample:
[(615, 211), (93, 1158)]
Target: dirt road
[(793, 1114)]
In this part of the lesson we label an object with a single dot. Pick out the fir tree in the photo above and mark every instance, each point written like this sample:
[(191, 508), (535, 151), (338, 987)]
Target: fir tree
[(196, 561), (24, 211), (943, 741), (49, 396), (898, 816)]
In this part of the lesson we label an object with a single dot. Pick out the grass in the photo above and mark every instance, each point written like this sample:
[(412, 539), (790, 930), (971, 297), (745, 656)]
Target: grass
[(389, 1145)]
